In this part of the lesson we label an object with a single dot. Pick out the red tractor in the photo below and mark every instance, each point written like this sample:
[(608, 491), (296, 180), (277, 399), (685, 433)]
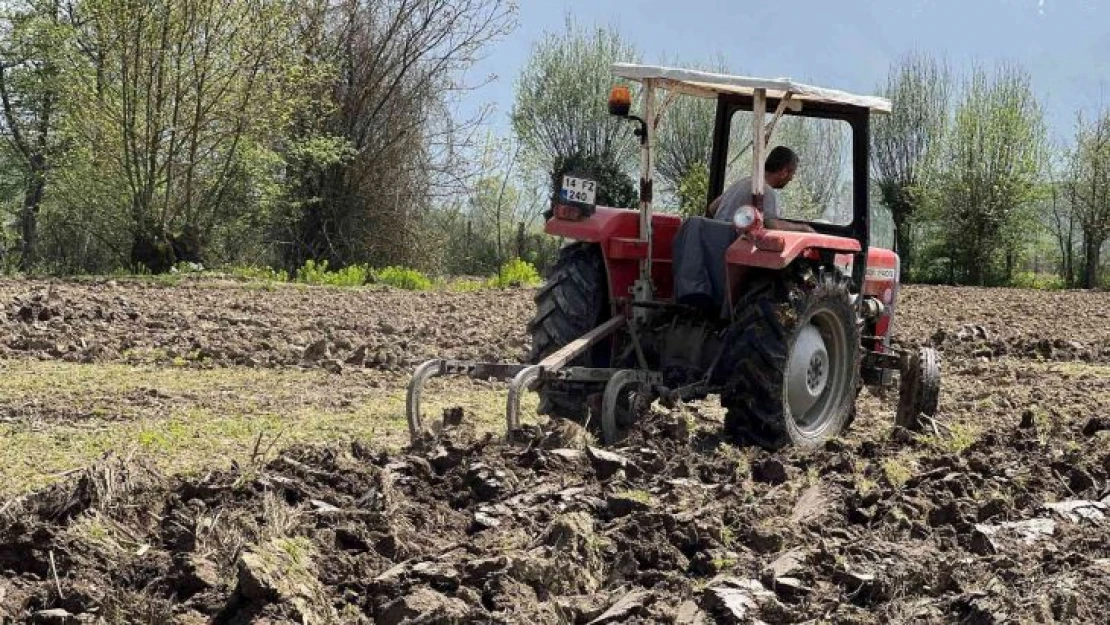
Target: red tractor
[(785, 325)]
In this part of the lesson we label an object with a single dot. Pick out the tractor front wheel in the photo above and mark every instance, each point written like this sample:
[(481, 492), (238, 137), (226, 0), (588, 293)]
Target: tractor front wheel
[(919, 393), (792, 361), (573, 301)]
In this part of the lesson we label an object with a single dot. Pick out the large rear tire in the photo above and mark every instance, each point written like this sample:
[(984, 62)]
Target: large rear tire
[(792, 362), (573, 301)]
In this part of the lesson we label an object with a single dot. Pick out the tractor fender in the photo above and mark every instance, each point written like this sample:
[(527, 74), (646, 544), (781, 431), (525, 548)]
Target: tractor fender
[(600, 227), (776, 249), (617, 233)]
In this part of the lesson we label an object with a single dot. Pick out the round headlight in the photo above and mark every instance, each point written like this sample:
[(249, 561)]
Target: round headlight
[(744, 217)]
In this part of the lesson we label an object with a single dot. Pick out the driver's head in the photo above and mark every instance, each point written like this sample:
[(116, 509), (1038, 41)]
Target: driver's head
[(780, 166)]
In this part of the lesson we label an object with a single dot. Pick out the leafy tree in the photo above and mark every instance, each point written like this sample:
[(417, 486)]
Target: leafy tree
[(165, 97), (396, 67), (684, 146), (822, 185), (996, 157), (34, 32), (561, 114), (1089, 191), (907, 143), (1059, 216)]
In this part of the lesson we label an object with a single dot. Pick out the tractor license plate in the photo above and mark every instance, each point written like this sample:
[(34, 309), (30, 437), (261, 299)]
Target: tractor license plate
[(579, 190)]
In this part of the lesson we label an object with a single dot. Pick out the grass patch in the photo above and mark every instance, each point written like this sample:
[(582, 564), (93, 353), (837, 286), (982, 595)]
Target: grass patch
[(463, 285), (898, 471), (641, 496), (56, 417), (958, 438)]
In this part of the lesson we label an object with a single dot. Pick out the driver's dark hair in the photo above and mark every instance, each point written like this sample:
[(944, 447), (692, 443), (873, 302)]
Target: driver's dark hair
[(779, 159)]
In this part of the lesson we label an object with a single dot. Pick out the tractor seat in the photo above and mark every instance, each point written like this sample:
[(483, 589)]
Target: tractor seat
[(700, 272)]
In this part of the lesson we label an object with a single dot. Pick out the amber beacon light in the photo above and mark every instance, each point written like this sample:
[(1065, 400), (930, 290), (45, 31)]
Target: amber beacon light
[(620, 101)]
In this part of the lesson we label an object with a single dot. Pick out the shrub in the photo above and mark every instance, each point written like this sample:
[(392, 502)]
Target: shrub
[(1042, 281), (317, 273), (403, 278), (515, 272), (262, 274)]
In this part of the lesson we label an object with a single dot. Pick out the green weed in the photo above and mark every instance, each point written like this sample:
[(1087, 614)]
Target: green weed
[(403, 278), (515, 272)]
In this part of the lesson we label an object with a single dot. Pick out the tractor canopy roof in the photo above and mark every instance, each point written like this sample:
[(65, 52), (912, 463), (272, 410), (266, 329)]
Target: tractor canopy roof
[(710, 85)]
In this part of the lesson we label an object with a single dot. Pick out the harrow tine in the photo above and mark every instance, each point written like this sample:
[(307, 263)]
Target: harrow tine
[(424, 372), (617, 383), (612, 395), (520, 383)]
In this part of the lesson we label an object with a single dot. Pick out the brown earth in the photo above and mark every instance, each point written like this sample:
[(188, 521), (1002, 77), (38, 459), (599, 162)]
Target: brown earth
[(1001, 514)]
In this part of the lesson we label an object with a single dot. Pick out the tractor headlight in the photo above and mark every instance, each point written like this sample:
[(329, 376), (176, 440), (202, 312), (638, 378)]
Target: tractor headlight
[(744, 218)]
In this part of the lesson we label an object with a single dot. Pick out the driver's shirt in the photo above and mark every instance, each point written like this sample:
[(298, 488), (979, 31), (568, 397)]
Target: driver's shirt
[(740, 194)]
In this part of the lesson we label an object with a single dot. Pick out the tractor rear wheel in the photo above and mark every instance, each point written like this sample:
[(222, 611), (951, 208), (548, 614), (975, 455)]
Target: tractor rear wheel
[(792, 362), (573, 301)]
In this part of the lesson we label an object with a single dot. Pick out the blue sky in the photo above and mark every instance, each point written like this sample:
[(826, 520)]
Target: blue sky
[(847, 44)]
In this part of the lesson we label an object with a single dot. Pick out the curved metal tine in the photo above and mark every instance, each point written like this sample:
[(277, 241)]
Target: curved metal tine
[(613, 389), (519, 384), (424, 372)]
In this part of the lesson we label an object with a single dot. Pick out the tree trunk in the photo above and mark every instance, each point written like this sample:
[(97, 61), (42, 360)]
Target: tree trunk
[(29, 216), (1091, 252), (520, 240)]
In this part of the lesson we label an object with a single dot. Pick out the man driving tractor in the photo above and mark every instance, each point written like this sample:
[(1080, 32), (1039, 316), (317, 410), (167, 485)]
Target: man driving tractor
[(779, 170)]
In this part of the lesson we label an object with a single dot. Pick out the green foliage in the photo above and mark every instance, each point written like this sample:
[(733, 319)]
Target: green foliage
[(1044, 281), (402, 278), (996, 155), (317, 273), (261, 274), (561, 98), (693, 191), (515, 272), (907, 144), (1088, 192)]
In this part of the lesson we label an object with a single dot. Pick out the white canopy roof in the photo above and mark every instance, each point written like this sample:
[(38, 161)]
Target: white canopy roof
[(709, 85)]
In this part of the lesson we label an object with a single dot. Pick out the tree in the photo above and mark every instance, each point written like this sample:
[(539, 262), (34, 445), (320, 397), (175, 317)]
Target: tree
[(560, 113), (33, 32), (396, 67), (996, 156), (1089, 191), (165, 97), (906, 143), (1060, 217)]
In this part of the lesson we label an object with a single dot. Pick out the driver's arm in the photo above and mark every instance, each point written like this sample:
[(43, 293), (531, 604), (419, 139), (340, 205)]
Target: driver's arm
[(711, 210)]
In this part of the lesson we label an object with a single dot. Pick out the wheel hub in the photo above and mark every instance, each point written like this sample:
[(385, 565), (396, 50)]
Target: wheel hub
[(808, 370)]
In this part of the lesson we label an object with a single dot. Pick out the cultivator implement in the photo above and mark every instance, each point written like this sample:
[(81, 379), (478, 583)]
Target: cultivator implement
[(526, 377)]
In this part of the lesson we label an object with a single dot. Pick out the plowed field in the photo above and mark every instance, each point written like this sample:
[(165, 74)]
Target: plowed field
[(222, 452)]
